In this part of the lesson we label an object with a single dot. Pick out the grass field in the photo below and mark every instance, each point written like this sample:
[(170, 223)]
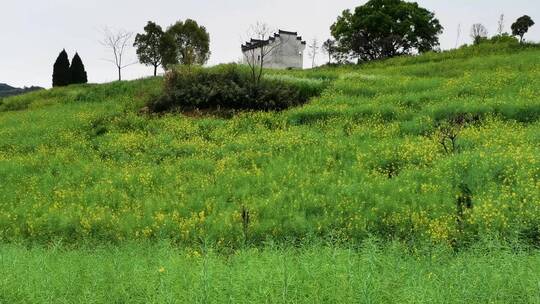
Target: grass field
[(440, 151), (160, 273)]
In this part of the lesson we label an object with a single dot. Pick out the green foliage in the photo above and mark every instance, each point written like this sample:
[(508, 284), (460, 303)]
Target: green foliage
[(329, 48), (61, 75), (373, 273), (151, 46), (186, 43), (521, 26), (503, 39), (77, 72), (386, 28), (363, 158), (351, 197), (230, 87)]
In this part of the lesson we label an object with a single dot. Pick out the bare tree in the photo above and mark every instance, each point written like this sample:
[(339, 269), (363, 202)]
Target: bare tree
[(500, 25), (259, 47), (117, 42), (478, 31), (313, 50)]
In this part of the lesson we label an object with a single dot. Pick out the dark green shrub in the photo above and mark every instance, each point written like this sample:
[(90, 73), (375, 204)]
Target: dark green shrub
[(523, 112), (504, 38), (230, 87)]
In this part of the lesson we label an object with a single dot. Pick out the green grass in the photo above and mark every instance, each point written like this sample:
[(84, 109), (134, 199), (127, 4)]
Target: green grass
[(81, 163), (314, 274), (85, 167)]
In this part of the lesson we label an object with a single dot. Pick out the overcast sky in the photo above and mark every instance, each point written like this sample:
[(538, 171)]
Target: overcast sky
[(35, 31)]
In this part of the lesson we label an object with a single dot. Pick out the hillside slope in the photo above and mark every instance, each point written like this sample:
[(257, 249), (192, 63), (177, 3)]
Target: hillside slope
[(6, 90), (443, 148)]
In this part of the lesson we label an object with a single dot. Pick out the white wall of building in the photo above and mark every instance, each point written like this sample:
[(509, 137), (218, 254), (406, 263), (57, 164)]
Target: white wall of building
[(286, 51)]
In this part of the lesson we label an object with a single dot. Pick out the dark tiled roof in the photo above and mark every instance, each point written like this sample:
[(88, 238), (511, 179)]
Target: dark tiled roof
[(256, 43), (287, 32)]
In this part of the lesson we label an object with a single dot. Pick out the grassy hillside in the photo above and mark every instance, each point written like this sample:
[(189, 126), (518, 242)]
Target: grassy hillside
[(434, 152), (81, 163)]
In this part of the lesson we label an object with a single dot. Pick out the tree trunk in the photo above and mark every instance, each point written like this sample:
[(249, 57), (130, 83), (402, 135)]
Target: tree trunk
[(155, 70), (119, 74)]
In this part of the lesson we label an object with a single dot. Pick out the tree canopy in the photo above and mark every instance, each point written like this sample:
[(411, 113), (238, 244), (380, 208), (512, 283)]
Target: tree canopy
[(186, 43), (61, 76), (149, 45), (521, 26), (329, 48), (77, 71), (386, 28)]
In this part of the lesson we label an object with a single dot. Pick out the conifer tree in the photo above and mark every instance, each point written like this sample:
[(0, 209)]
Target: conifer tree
[(77, 71), (61, 70)]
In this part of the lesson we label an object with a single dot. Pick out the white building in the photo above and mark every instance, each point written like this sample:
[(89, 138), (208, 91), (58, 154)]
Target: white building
[(284, 50)]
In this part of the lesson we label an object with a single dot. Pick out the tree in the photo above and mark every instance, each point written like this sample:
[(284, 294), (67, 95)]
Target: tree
[(149, 45), (61, 70), (117, 42), (76, 71), (521, 26), (168, 51), (259, 48), (478, 33), (386, 28), (313, 50), (329, 48), (186, 43)]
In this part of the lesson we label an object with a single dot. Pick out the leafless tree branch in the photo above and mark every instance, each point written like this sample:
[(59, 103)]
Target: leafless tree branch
[(263, 46), (313, 51), (117, 42)]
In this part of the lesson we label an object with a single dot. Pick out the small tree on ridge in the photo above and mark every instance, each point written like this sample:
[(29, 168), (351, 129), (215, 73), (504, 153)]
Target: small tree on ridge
[(329, 48), (478, 32), (149, 45), (386, 28), (190, 44), (61, 76), (117, 43), (259, 49), (521, 26), (77, 71), (313, 51)]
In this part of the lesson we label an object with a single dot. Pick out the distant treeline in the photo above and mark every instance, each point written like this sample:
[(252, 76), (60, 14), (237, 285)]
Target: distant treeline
[(6, 90)]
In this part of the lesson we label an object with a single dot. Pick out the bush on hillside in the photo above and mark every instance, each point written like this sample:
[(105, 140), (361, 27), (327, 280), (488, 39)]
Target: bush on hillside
[(504, 38), (230, 87), (499, 39)]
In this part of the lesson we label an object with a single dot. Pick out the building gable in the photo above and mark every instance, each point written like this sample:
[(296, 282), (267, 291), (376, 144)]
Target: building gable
[(282, 50)]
